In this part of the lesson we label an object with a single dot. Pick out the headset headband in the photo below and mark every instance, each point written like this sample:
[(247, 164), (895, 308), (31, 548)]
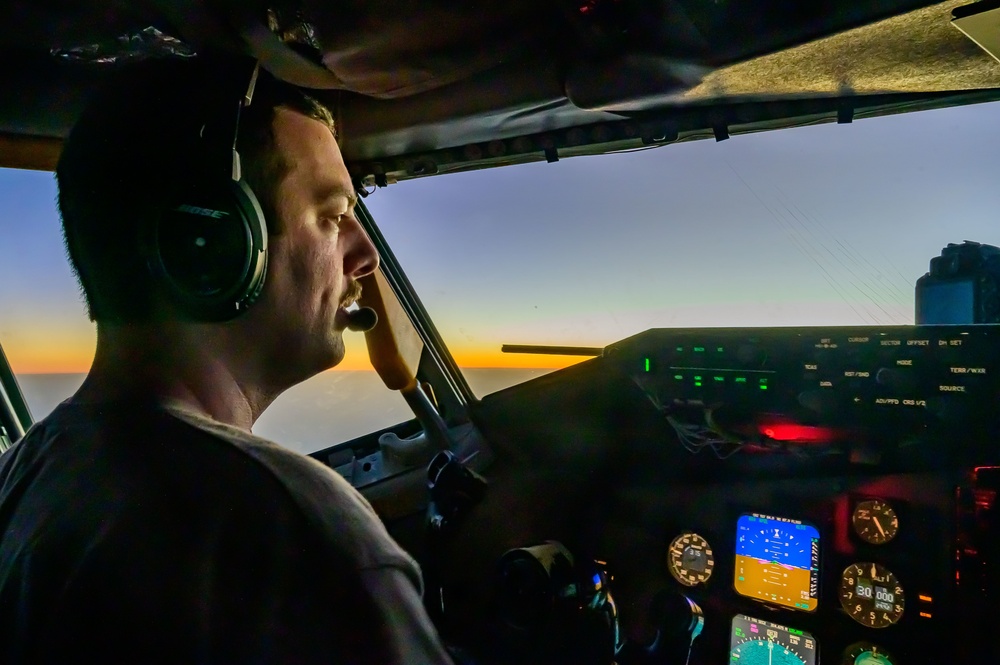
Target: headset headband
[(237, 170)]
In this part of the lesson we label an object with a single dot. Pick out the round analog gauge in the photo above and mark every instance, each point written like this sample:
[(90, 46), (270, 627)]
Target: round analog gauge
[(871, 595), (866, 653), (875, 521), (690, 559)]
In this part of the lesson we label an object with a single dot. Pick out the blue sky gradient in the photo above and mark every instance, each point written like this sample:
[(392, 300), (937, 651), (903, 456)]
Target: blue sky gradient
[(822, 225)]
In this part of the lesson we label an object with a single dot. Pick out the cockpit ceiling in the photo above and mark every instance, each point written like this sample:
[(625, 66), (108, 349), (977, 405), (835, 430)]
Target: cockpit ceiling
[(432, 86)]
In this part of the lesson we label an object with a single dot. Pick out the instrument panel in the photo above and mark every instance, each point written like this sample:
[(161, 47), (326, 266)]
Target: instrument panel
[(833, 475), (824, 500), (820, 591)]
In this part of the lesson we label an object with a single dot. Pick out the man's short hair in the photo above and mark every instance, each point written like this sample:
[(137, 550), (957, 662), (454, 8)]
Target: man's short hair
[(136, 144)]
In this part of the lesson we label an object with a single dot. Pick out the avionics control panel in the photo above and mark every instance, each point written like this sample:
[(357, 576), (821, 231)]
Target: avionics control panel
[(905, 378)]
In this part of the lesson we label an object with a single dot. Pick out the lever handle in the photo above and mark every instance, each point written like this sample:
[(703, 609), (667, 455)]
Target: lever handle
[(679, 621)]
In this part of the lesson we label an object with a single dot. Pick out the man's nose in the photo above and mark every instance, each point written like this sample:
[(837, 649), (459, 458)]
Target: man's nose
[(362, 257)]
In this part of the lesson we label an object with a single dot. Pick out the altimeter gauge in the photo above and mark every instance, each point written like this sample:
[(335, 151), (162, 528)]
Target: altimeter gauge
[(690, 559), (875, 521), (871, 594)]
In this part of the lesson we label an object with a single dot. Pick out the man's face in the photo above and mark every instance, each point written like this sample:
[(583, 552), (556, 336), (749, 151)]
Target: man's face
[(316, 259)]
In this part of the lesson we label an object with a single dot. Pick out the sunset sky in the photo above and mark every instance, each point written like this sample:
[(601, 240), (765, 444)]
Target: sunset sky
[(812, 226)]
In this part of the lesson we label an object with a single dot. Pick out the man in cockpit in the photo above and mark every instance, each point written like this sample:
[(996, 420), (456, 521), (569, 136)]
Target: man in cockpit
[(142, 522)]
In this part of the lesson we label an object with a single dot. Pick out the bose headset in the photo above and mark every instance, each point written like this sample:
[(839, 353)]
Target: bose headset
[(207, 248)]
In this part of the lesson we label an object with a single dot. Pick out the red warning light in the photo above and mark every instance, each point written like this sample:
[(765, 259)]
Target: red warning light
[(797, 433)]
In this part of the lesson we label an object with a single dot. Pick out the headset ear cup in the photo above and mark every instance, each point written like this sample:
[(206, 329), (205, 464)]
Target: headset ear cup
[(207, 251), (253, 218)]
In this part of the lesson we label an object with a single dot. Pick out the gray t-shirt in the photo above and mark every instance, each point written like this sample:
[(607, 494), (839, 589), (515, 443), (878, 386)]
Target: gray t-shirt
[(140, 533)]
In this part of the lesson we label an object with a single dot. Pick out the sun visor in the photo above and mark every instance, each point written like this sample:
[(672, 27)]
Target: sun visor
[(980, 22)]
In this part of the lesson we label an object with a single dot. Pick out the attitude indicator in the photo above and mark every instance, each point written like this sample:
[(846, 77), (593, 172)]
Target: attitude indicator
[(777, 561)]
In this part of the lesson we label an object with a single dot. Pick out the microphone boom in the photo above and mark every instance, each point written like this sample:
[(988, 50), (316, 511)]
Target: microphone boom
[(362, 319)]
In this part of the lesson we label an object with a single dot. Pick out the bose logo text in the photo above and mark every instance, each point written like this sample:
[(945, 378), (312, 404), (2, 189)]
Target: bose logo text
[(204, 212)]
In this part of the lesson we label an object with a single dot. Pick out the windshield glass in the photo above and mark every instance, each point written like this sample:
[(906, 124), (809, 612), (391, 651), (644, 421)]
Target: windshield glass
[(821, 225)]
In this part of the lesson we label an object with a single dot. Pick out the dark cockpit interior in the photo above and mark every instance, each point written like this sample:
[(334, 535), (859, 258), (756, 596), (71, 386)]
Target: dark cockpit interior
[(835, 486), (751, 496)]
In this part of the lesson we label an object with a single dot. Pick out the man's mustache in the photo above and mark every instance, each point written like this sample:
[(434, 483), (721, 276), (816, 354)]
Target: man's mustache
[(352, 295)]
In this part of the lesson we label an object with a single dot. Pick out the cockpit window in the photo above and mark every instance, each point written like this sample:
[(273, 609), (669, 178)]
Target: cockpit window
[(820, 225), (50, 342), (43, 327)]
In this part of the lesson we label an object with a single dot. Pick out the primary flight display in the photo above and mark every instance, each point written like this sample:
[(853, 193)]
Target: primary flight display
[(777, 561)]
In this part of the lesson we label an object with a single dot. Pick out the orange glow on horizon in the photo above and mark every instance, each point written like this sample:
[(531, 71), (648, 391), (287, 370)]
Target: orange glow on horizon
[(40, 358), (62, 356), (49, 350)]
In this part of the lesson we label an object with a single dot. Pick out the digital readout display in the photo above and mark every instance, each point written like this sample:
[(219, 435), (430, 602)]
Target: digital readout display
[(756, 642), (777, 561), (883, 597)]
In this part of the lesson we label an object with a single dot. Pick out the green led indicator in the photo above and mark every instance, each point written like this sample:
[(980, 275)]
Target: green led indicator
[(742, 579), (697, 378), (763, 387), (699, 349), (720, 349), (763, 380), (680, 348), (647, 364), (741, 379), (698, 383), (719, 378), (679, 377)]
